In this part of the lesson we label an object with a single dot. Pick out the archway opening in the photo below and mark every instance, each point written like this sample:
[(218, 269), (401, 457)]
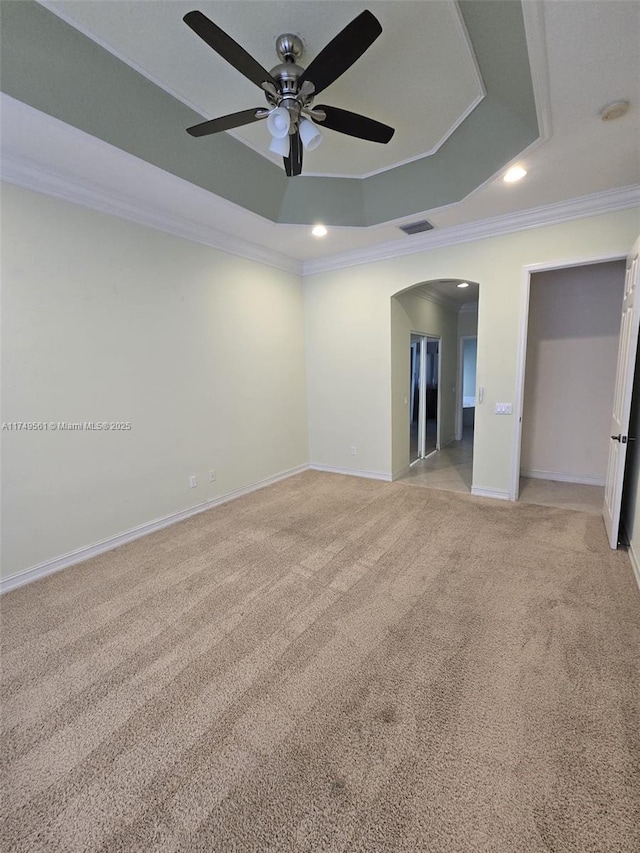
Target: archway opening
[(434, 329)]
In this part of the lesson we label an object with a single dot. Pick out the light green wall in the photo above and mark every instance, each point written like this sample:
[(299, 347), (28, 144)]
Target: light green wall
[(105, 320), (348, 321), (206, 355), (412, 313)]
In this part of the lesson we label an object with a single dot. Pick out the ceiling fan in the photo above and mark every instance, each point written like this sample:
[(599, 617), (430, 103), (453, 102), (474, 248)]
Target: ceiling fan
[(290, 89)]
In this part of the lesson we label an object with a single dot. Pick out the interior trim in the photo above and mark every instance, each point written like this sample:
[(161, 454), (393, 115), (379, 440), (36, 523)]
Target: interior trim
[(563, 477), (499, 494), (88, 551), (633, 557), (29, 175), (351, 472), (594, 204)]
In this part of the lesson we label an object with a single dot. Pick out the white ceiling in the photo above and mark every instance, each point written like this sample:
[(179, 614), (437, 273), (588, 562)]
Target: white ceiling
[(448, 290), (583, 56), (419, 76)]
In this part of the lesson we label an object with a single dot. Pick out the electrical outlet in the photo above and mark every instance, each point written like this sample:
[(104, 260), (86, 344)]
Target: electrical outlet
[(353, 449), (212, 476), (193, 481)]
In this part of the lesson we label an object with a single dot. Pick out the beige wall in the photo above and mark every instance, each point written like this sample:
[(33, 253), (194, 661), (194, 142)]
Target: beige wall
[(572, 350), (104, 320), (413, 313), (348, 339)]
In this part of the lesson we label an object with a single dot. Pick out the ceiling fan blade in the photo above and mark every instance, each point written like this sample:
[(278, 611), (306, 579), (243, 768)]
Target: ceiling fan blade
[(342, 51), (355, 125), (215, 125), (293, 163), (227, 48)]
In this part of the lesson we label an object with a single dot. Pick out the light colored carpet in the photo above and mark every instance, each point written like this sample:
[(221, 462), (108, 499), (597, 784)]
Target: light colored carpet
[(330, 664)]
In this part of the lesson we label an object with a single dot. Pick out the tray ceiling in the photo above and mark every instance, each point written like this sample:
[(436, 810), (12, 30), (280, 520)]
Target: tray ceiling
[(81, 80), (420, 76)]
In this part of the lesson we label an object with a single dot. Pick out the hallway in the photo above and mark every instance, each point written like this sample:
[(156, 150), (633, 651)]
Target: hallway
[(449, 469)]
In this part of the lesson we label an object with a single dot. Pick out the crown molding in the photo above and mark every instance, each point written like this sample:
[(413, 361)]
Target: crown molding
[(29, 175), (438, 298), (608, 201)]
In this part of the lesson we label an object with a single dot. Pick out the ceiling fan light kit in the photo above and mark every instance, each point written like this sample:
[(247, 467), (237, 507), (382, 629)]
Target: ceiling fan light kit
[(279, 122), (310, 135), (279, 145), (290, 89)]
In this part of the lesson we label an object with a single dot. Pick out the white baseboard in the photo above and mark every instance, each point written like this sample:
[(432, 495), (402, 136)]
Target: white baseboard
[(563, 477), (88, 551), (633, 557), (635, 565), (397, 474), (499, 494), (352, 472)]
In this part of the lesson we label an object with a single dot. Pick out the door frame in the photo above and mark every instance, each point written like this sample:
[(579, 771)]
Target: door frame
[(523, 330), (438, 339), (460, 408), (425, 338)]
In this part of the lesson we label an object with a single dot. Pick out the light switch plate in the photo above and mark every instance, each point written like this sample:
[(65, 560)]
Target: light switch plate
[(503, 409)]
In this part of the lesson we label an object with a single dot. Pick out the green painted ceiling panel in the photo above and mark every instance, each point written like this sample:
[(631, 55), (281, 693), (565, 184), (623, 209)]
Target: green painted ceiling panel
[(49, 65), (496, 29), (483, 143), (337, 201)]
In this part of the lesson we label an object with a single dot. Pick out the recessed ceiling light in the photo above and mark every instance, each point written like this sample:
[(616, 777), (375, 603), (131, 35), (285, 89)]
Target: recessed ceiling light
[(615, 110), (319, 231), (515, 173), (463, 284)]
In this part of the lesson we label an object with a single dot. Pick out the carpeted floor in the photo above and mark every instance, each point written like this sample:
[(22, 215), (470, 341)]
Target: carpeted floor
[(330, 664)]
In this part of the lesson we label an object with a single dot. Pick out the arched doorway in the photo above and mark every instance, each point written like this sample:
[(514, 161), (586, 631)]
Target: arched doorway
[(433, 334)]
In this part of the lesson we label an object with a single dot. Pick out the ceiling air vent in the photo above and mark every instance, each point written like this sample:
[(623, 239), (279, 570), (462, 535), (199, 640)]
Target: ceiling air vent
[(416, 227)]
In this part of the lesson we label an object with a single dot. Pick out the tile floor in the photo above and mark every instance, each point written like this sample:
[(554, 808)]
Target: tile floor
[(450, 469)]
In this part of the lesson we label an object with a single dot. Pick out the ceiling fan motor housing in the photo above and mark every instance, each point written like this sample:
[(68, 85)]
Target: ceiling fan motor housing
[(289, 47)]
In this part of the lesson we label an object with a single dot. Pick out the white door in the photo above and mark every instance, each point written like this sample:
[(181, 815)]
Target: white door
[(622, 397)]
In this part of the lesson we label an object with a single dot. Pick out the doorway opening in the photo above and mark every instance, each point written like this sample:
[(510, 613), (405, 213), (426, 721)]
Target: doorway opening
[(468, 397), (427, 322), (566, 378), (424, 438)]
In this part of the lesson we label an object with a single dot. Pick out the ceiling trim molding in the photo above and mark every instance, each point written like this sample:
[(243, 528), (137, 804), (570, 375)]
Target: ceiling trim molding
[(24, 173), (608, 201), (533, 17), (438, 298)]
